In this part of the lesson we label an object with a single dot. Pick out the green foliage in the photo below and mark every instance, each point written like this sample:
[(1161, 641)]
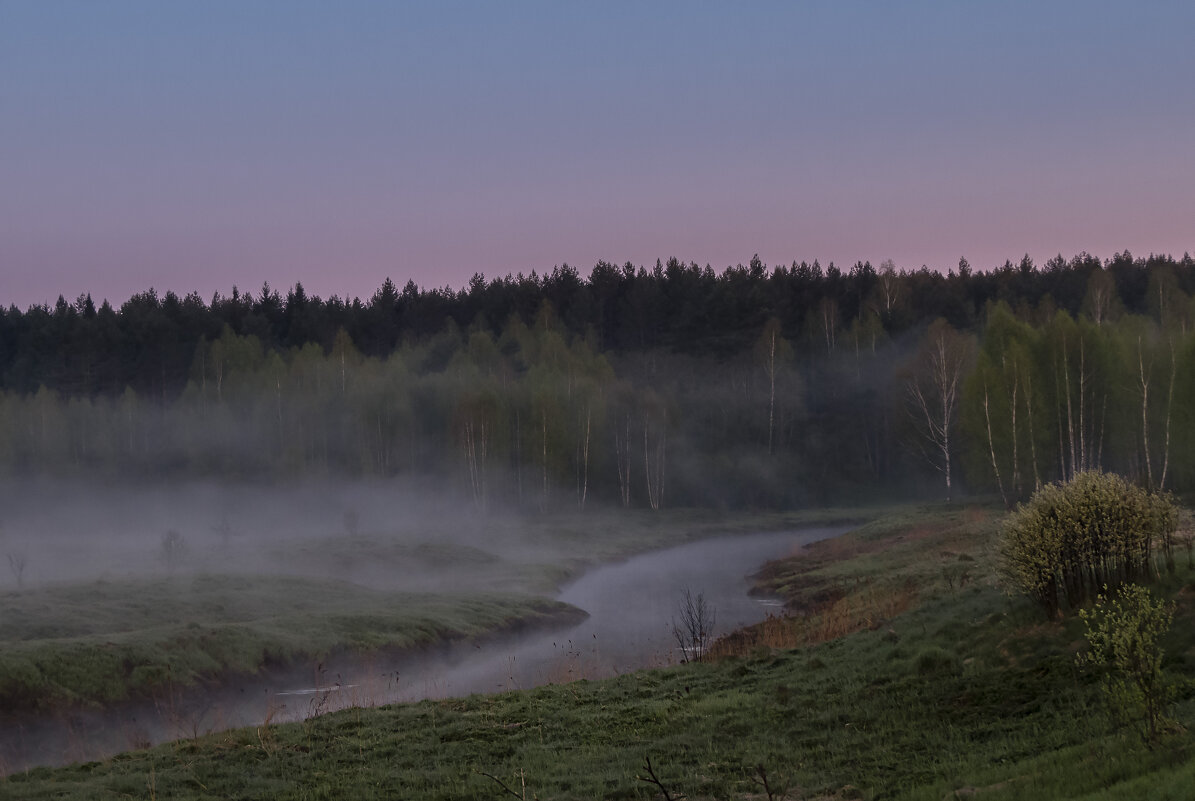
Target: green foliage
[(1074, 537), (1002, 414), (1085, 364), (1124, 632)]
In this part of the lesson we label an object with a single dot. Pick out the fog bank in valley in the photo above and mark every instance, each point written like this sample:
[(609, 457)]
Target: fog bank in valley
[(387, 534)]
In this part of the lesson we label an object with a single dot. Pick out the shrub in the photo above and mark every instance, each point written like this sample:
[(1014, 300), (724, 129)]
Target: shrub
[(1072, 538), (694, 630), (1123, 632)]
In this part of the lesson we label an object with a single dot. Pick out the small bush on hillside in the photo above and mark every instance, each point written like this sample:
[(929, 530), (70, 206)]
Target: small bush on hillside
[(1075, 537), (1123, 632)]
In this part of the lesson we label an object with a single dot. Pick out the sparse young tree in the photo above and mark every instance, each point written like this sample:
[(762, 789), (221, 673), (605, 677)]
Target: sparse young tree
[(1124, 632)]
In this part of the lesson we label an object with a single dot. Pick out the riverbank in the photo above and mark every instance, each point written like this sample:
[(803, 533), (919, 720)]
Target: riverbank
[(262, 602), (964, 693), (88, 645), (95, 668)]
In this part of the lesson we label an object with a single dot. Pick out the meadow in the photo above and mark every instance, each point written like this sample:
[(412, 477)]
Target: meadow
[(111, 641), (229, 605), (901, 670)]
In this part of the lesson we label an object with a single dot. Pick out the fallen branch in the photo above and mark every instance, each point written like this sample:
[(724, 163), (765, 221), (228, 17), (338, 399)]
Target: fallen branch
[(503, 785), (651, 778), (763, 779)]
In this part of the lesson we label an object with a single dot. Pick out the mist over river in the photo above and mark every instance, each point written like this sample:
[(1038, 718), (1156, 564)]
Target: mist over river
[(631, 606)]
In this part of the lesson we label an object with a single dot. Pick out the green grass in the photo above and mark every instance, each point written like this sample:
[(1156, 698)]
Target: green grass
[(965, 694), (861, 711), (107, 641), (918, 544)]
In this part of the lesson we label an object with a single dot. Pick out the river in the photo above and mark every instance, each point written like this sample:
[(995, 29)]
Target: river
[(631, 608)]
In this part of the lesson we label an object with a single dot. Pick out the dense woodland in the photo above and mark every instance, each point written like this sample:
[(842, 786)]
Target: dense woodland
[(677, 385)]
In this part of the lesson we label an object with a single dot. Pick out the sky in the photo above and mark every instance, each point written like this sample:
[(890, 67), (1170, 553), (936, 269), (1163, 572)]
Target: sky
[(197, 145)]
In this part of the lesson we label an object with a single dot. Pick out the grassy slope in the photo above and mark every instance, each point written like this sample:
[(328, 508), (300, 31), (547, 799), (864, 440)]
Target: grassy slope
[(105, 641), (963, 693)]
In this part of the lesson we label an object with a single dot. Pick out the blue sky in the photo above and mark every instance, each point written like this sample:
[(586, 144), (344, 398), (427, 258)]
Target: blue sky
[(197, 145)]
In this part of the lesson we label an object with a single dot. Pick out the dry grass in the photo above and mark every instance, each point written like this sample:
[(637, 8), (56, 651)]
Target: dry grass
[(836, 587), (867, 607)]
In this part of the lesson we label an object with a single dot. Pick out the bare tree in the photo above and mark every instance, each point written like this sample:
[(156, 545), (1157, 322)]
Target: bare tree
[(17, 561), (693, 627), (933, 393)]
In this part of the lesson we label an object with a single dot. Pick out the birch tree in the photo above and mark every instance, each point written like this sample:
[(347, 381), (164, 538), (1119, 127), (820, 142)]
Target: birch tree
[(655, 448), (888, 285), (1153, 364), (773, 353), (1101, 302), (1081, 361), (933, 389), (621, 414), (1000, 405)]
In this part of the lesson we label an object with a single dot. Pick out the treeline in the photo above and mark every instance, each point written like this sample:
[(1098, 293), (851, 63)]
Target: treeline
[(1051, 398), (532, 417), (678, 385)]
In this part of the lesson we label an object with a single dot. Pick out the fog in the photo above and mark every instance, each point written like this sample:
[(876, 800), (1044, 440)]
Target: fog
[(632, 611), (73, 531)]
